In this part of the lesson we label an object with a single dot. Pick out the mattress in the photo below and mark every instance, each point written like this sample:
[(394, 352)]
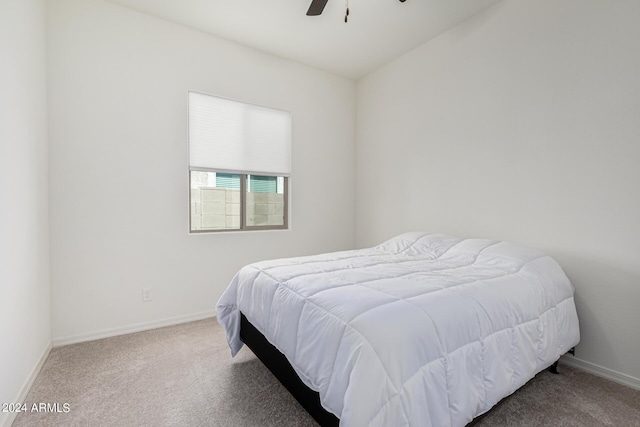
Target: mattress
[(422, 330)]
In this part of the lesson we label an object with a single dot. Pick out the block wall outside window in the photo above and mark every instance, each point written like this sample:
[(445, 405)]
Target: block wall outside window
[(264, 209), (215, 208)]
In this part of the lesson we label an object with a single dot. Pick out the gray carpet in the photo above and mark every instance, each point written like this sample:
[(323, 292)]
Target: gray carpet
[(184, 376)]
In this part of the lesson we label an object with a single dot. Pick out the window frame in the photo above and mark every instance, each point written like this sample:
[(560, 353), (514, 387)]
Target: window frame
[(243, 204), (243, 178)]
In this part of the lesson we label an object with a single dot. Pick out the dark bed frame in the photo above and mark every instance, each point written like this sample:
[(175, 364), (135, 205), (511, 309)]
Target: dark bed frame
[(280, 367)]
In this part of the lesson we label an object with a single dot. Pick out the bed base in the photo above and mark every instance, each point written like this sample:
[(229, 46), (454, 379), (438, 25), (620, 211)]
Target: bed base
[(280, 367)]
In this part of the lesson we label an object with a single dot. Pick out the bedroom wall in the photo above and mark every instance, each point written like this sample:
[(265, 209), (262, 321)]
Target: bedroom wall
[(25, 320), (118, 85), (520, 124)]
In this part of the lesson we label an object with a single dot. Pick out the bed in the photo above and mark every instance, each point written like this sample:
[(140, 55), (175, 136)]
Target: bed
[(422, 330)]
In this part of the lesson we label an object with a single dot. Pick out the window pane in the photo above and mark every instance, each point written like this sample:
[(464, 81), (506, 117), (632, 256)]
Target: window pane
[(214, 206), (265, 204)]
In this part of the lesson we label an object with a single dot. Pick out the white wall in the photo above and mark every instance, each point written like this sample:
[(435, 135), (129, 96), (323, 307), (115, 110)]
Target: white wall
[(118, 86), (522, 124), (25, 320)]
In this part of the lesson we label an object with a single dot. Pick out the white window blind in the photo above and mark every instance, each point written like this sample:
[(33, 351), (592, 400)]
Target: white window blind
[(233, 136)]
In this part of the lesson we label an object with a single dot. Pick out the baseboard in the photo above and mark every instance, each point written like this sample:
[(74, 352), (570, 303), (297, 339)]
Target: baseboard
[(24, 390), (139, 327), (601, 371)]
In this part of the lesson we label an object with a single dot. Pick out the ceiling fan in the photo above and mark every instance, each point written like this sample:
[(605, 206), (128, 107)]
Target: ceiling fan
[(317, 6)]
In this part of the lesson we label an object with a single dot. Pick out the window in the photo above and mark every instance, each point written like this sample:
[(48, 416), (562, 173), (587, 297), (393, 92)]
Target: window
[(239, 165)]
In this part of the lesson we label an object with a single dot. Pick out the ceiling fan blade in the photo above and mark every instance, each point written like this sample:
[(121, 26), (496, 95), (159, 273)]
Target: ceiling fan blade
[(316, 8)]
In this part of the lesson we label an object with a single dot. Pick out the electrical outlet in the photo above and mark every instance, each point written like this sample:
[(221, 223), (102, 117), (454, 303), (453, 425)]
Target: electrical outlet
[(146, 294)]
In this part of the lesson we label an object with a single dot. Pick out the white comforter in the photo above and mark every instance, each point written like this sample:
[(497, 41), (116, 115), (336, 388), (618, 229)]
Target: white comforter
[(423, 330)]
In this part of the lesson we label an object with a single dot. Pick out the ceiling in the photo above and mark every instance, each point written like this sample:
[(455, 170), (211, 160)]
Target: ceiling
[(377, 32)]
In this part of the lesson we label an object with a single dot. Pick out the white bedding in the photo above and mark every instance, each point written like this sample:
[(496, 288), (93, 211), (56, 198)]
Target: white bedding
[(422, 330)]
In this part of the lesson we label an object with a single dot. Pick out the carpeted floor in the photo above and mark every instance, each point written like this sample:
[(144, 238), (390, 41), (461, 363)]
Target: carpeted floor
[(184, 376)]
